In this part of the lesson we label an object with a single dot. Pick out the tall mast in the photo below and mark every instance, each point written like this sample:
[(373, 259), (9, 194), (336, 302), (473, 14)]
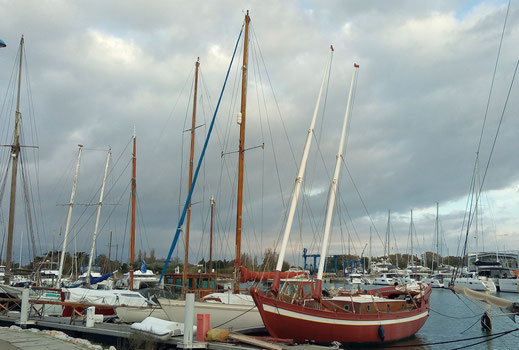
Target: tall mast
[(69, 215), (241, 150), (333, 188), (134, 192), (99, 206), (191, 156), (411, 229), (211, 237), (388, 233), (15, 151), (370, 256), (299, 180), (437, 240)]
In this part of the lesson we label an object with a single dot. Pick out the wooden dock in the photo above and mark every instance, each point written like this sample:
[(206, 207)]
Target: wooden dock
[(11, 339)]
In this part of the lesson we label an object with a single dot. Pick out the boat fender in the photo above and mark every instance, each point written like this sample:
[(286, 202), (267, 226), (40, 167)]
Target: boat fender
[(381, 332)]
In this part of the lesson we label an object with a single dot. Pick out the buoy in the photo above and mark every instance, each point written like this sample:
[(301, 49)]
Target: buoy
[(381, 332)]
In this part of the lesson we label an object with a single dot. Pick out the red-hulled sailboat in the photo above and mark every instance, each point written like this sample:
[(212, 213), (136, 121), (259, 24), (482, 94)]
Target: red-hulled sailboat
[(299, 310)]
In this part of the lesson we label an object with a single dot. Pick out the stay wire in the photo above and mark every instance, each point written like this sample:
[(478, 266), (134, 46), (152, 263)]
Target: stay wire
[(469, 219)]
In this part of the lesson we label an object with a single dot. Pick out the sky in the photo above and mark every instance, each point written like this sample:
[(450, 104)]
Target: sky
[(96, 71)]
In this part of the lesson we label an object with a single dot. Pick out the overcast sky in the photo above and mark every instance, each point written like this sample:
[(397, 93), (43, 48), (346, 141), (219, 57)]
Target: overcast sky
[(98, 69)]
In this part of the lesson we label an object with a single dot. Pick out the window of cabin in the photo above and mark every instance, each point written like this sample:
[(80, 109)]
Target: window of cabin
[(307, 290)]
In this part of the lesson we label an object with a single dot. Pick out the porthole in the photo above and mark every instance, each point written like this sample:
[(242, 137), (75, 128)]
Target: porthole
[(388, 308), (368, 307), (346, 307), (403, 306)]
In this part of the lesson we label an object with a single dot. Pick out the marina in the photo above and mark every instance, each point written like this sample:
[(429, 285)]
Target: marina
[(251, 213), (448, 322)]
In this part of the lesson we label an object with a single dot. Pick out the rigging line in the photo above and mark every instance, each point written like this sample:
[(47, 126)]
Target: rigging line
[(274, 95), (27, 201), (113, 209), (361, 200), (454, 317), (195, 177), (164, 129), (5, 104), (125, 228), (496, 135), (142, 223), (255, 58), (93, 212), (341, 200), (485, 116), (30, 100), (493, 76)]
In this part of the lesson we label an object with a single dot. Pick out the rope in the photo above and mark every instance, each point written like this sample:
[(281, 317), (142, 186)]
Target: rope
[(232, 319), (453, 317)]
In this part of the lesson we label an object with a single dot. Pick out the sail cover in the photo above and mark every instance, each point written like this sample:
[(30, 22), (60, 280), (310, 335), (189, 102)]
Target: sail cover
[(491, 300)]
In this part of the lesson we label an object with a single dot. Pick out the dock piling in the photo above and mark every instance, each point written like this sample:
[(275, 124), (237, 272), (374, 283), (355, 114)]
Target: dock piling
[(24, 311)]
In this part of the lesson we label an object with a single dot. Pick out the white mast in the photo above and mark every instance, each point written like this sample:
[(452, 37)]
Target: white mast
[(99, 206), (21, 244), (69, 215), (299, 180), (411, 229), (333, 189)]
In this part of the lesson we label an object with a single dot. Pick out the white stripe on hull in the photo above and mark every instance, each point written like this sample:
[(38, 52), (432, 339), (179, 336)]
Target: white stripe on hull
[(318, 319)]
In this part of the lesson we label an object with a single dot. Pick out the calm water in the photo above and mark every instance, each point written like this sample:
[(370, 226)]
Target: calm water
[(454, 317)]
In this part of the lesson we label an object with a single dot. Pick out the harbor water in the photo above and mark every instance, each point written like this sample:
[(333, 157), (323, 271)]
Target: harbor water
[(454, 317)]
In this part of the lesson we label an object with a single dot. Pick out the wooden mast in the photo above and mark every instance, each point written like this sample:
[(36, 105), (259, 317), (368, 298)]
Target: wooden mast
[(191, 156), (132, 225), (211, 237), (15, 151), (241, 121)]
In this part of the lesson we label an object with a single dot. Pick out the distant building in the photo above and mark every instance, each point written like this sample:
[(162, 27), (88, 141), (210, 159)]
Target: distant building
[(508, 259)]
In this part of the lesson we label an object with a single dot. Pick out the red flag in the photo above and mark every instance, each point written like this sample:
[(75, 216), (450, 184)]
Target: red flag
[(331, 48), (355, 65)]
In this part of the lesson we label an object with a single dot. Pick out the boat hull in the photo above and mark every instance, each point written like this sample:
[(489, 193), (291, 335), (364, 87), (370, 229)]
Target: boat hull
[(303, 324), (222, 315), (509, 285), (483, 285)]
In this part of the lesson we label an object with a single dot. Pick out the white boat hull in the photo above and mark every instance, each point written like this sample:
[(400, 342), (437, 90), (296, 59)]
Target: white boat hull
[(222, 315), (509, 285), (473, 283), (435, 283)]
